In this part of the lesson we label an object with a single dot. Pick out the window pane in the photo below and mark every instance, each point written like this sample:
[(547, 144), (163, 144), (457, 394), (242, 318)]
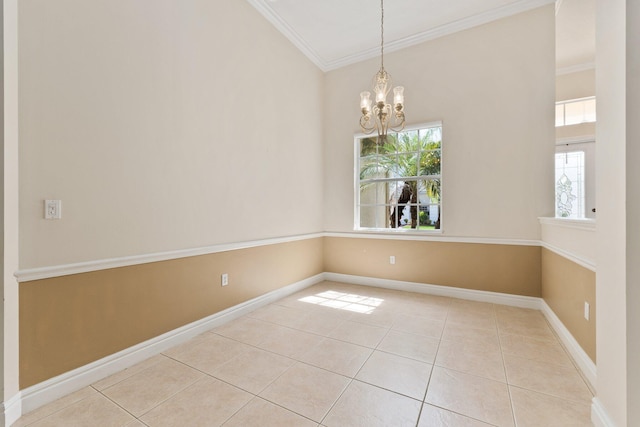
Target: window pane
[(570, 184), (372, 216), (559, 114), (430, 163), (574, 113), (590, 110), (368, 146)]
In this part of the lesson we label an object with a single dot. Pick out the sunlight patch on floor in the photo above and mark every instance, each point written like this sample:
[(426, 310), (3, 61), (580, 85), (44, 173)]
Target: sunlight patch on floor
[(344, 301)]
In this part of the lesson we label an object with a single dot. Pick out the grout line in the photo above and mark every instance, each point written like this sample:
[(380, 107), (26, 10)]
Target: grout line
[(504, 367)]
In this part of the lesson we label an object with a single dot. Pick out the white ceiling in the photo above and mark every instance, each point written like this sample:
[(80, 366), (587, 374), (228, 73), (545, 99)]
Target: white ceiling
[(335, 33)]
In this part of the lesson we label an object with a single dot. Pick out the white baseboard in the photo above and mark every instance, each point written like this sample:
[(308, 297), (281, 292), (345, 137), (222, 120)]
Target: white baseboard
[(599, 415), (11, 410), (581, 358), (447, 291), (57, 387)]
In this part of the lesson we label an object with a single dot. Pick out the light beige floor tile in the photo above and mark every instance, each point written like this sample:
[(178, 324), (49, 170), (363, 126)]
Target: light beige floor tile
[(507, 312), (548, 351), (318, 322), (424, 309), (424, 326), (279, 314), (412, 346), (123, 375), (535, 409), (364, 405), (146, 389), (431, 416), (397, 374), (296, 301), (475, 397), (378, 317), (483, 359), (253, 370), (260, 413), (92, 411), (245, 329), (134, 423), (289, 342), (359, 333), (458, 333), (207, 352), (206, 403), (535, 327), (337, 356), (472, 319), (55, 406), (556, 380), (306, 390), (468, 306)]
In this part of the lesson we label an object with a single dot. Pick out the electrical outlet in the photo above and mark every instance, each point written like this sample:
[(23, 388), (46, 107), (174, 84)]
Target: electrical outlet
[(392, 260), (225, 279), (587, 310), (52, 209)]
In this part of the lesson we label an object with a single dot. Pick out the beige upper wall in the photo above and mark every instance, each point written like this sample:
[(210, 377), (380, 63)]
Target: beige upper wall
[(576, 85), (161, 125), (493, 88)]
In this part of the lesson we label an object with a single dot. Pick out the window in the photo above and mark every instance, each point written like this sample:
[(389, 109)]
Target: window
[(570, 190), (398, 180), (576, 111)]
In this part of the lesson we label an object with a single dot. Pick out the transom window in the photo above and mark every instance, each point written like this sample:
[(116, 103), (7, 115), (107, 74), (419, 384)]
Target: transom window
[(398, 180), (576, 111)]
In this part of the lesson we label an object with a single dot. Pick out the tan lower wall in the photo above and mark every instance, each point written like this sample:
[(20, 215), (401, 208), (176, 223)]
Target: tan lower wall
[(69, 321), (565, 287), (510, 269)]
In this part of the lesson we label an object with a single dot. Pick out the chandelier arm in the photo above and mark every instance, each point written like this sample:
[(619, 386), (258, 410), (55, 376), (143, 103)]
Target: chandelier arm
[(367, 130)]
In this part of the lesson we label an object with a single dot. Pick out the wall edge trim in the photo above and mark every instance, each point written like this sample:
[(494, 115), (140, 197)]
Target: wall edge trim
[(599, 415), (580, 357), (40, 273), (446, 291), (433, 238), (49, 390), (12, 409), (571, 257), (104, 264)]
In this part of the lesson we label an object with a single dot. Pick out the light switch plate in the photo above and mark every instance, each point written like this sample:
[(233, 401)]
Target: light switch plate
[(52, 209)]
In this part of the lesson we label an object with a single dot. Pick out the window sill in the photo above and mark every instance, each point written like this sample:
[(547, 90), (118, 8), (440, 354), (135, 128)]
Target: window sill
[(587, 224), (397, 231)]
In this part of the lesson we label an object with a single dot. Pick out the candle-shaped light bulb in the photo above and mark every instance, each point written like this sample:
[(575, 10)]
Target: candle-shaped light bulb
[(398, 95), (381, 96), (365, 101)]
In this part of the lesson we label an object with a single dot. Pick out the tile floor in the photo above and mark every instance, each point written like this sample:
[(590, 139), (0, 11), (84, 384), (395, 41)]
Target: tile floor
[(337, 355)]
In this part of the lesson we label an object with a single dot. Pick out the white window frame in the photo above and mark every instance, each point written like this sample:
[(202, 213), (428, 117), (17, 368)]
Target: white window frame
[(356, 183)]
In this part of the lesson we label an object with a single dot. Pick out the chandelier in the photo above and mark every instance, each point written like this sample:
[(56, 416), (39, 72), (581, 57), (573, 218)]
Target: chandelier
[(381, 115)]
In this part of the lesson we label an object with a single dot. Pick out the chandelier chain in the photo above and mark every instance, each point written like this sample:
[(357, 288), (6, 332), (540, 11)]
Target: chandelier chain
[(382, 35)]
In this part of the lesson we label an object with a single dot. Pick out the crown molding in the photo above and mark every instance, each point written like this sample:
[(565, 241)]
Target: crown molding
[(263, 6)]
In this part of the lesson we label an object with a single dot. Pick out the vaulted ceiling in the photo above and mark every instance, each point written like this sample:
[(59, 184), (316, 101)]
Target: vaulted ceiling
[(335, 33)]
